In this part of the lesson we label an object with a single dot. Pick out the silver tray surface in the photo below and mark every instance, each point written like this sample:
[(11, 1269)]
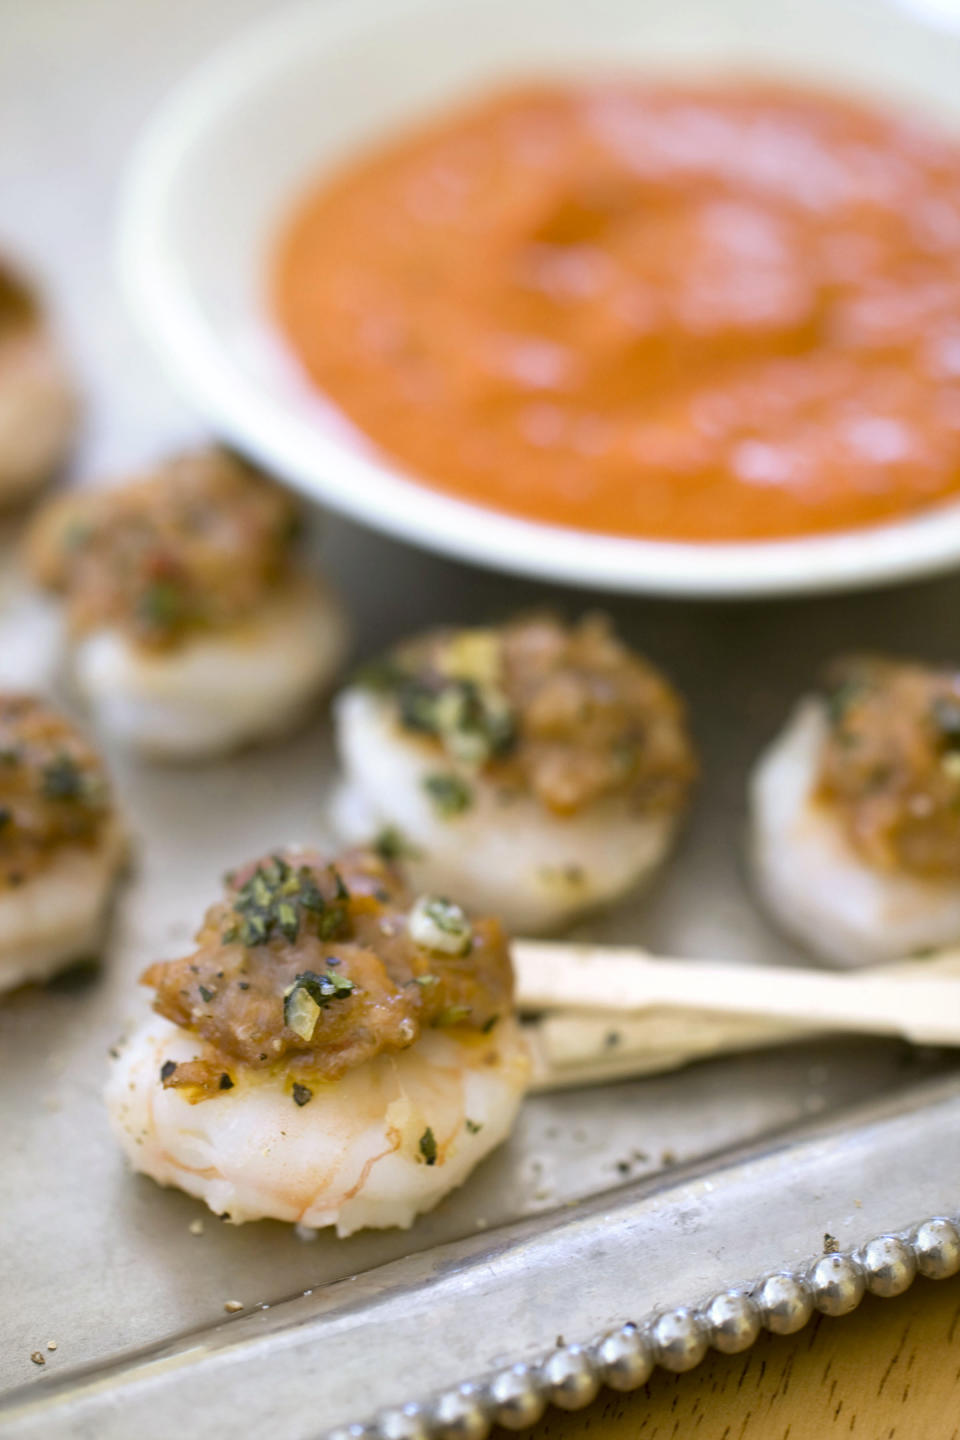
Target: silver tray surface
[(608, 1205)]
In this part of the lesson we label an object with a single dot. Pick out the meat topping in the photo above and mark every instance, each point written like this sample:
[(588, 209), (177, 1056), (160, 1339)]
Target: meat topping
[(315, 964), (19, 309), (54, 789), (568, 713), (193, 546), (891, 764)]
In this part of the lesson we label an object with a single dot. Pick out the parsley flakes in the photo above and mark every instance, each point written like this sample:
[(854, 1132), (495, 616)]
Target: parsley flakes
[(308, 995), (428, 1147), (276, 900), (449, 794), (62, 779)]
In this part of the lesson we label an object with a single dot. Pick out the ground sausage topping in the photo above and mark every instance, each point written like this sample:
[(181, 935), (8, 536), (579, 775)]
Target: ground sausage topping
[(891, 764), (316, 964), (567, 713), (193, 546), (18, 304), (54, 790)]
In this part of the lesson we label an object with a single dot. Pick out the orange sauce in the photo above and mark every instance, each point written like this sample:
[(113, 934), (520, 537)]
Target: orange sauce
[(681, 313)]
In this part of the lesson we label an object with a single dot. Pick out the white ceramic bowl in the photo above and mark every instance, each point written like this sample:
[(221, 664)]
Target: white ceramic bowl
[(229, 151)]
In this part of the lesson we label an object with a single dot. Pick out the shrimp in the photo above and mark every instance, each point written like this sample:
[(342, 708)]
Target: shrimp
[(373, 1149), (537, 771), (59, 916), (855, 827), (193, 629), (38, 405), (333, 1053), (61, 843), (502, 852), (216, 692)]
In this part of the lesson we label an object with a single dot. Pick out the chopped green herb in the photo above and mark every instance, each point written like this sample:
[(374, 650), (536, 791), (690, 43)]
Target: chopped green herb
[(325, 988), (76, 534), (626, 754), (287, 920), (488, 1025), (10, 755), (473, 1126), (473, 722), (417, 702), (486, 724), (308, 995), (300, 1012), (225, 1082), (6, 815), (330, 924), (946, 717), (426, 980), (428, 1146), (161, 605), (275, 900), (206, 994), (841, 698), (453, 1015), (450, 795), (392, 844), (459, 701), (167, 1069), (447, 916), (382, 674), (62, 779), (302, 1095)]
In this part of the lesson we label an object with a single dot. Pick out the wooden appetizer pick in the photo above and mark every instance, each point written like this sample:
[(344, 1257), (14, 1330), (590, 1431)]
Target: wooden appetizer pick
[(569, 1050), (637, 1014)]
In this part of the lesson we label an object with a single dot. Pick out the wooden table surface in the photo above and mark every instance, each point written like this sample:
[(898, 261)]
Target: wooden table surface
[(891, 1371)]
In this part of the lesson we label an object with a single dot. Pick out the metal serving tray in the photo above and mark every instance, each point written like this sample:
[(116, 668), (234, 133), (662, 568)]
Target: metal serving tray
[(608, 1205)]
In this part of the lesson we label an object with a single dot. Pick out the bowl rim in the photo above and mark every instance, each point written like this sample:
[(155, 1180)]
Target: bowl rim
[(366, 487)]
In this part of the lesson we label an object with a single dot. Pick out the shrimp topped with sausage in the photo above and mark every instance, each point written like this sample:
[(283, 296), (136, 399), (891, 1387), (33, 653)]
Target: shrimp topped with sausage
[(61, 843), (192, 626), (334, 1052), (38, 404), (856, 813), (537, 769)]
